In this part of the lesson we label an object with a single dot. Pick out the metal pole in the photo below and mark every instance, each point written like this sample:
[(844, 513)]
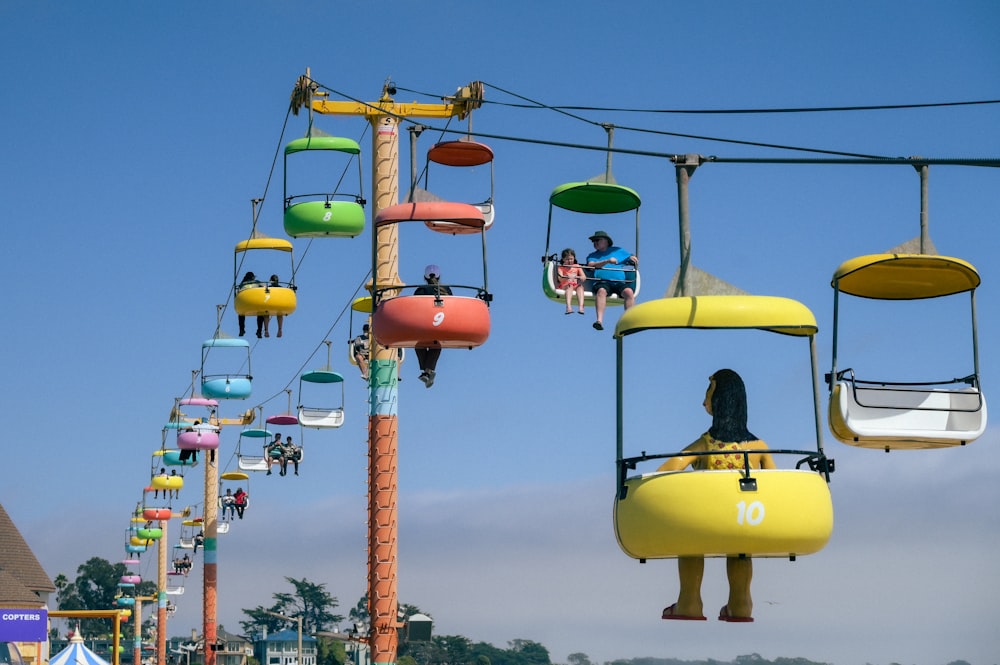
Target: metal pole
[(137, 632), (116, 657), (161, 599), (209, 555), (382, 373), (382, 424), (620, 419), (684, 167), (924, 171)]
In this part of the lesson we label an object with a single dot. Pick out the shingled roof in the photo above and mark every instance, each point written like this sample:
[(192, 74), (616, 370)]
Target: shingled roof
[(22, 578)]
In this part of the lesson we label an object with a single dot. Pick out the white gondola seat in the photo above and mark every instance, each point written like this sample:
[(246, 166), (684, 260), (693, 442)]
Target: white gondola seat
[(320, 418), (896, 417), (175, 584), (550, 281), (892, 415), (252, 463)]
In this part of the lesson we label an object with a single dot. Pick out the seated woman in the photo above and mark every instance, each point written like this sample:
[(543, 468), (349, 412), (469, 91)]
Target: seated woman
[(274, 453), (726, 402), (240, 501), (249, 281), (273, 282)]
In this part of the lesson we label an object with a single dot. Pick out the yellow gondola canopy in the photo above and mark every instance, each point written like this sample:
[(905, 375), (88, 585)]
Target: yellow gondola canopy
[(771, 313), (234, 475), (264, 243), (905, 276)]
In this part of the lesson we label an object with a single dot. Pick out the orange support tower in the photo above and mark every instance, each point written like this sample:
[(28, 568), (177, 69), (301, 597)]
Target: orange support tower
[(384, 116)]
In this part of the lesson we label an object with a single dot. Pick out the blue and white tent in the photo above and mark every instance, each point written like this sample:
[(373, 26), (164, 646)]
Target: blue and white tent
[(77, 653)]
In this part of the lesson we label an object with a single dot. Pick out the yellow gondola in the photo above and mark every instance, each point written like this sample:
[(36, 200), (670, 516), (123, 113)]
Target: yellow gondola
[(744, 512), (914, 415), (264, 297)]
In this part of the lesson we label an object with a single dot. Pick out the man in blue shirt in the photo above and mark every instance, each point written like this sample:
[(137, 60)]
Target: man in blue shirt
[(619, 279)]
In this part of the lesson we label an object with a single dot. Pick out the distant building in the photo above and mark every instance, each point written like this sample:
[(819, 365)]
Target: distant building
[(229, 649), (23, 583), (282, 648)]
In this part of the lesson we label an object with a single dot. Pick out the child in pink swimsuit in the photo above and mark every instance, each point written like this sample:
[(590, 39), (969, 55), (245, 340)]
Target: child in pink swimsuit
[(571, 279)]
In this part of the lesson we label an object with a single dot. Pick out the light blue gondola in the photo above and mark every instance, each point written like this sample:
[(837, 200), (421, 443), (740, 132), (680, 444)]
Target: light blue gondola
[(231, 383)]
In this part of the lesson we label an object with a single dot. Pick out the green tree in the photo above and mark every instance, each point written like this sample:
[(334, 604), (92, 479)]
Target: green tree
[(359, 613), (529, 652), (311, 601), (95, 588), (578, 659), (330, 651)]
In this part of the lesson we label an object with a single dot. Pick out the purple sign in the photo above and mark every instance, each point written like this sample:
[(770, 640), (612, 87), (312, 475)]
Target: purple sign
[(29, 625)]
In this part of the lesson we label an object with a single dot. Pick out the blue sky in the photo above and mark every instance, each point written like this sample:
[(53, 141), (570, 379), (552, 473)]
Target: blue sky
[(136, 136)]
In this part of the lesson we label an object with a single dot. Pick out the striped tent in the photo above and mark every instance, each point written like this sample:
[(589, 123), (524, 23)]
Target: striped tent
[(77, 653)]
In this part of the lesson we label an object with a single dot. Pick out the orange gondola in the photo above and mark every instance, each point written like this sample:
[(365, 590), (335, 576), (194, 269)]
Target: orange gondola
[(432, 321)]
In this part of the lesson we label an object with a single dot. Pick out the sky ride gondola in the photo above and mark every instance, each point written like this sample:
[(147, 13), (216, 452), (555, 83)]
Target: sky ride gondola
[(166, 483), (893, 415), (330, 412), (590, 198), (364, 305), (242, 479), (172, 457), (179, 420), (185, 540), (751, 512), (228, 382), (263, 297), (323, 215), (252, 461), (462, 153), (431, 321), (156, 514), (286, 418), (202, 436), (175, 583)]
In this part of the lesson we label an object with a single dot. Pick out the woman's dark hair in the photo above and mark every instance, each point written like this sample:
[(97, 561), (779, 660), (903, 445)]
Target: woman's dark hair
[(729, 408)]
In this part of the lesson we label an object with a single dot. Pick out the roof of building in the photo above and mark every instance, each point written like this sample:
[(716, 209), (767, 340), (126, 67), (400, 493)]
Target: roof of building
[(289, 636), (22, 578), (221, 634)]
